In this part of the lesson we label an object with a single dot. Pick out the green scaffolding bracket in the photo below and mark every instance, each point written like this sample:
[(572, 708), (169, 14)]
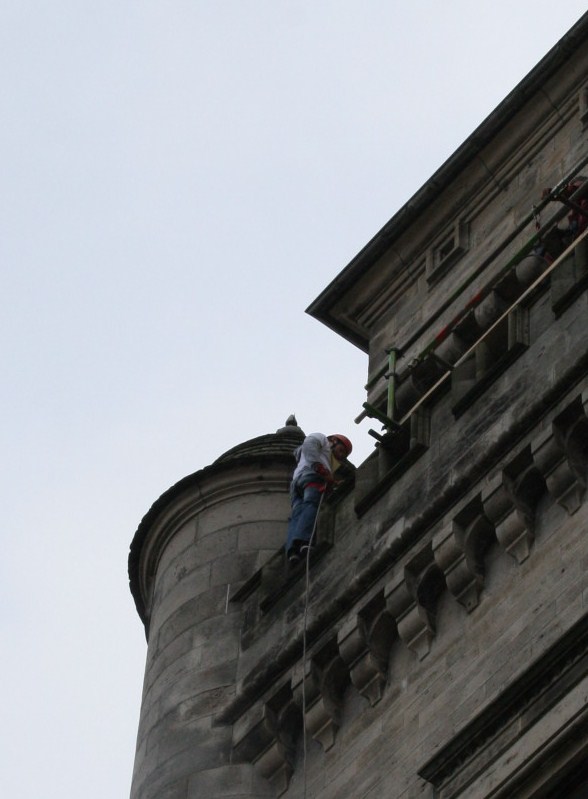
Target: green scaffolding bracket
[(374, 413), (390, 375), (387, 419)]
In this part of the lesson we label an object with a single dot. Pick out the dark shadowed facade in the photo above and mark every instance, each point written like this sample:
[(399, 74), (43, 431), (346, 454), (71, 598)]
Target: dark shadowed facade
[(442, 647)]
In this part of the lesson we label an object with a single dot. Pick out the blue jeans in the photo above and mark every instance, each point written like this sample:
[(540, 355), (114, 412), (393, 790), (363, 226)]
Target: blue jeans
[(305, 500)]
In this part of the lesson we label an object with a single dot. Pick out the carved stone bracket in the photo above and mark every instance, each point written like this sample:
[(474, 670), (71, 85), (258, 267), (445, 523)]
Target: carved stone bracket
[(325, 679), (510, 501), (411, 599), (364, 644), (459, 552), (570, 430), (266, 735), (561, 454)]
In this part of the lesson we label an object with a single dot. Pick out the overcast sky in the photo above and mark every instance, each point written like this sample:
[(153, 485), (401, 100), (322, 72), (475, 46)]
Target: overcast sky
[(180, 179)]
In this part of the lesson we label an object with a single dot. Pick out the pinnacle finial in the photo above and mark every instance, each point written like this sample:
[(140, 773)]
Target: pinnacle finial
[(291, 427)]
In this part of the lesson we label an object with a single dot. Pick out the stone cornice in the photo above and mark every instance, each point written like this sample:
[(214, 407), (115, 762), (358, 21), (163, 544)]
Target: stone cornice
[(322, 308)]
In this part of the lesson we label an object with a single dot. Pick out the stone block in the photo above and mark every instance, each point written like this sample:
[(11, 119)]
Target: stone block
[(193, 682), (227, 781), (171, 769), (166, 658), (182, 539), (233, 567), (181, 590), (263, 535), (189, 615)]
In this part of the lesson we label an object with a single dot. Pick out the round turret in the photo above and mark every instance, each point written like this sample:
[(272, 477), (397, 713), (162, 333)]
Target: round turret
[(197, 544)]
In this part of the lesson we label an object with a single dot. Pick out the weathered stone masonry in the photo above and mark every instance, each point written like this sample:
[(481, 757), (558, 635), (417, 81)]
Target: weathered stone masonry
[(446, 621)]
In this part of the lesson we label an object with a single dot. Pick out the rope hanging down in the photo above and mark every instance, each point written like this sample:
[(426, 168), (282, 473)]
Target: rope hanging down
[(306, 598)]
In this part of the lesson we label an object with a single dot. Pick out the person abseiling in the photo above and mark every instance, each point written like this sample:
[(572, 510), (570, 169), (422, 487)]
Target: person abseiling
[(318, 458)]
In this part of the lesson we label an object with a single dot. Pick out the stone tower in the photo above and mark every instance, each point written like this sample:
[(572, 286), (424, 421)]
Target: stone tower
[(190, 554), (437, 647)]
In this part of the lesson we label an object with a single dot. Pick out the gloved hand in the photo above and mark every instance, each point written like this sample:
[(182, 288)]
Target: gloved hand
[(324, 473)]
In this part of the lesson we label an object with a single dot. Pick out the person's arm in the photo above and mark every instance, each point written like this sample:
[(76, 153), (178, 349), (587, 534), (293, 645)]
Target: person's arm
[(314, 449)]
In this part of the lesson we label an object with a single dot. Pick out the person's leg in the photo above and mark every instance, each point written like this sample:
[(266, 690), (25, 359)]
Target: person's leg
[(304, 510), (293, 521)]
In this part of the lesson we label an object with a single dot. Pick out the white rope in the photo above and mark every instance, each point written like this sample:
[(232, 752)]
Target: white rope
[(306, 596)]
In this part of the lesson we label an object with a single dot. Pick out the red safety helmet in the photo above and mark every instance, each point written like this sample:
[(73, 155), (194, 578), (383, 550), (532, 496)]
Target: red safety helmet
[(344, 440)]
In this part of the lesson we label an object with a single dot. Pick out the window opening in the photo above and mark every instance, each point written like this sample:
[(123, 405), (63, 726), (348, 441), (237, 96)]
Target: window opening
[(441, 257)]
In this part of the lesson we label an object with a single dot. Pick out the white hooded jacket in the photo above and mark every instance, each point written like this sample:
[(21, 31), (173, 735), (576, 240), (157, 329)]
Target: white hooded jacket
[(316, 448)]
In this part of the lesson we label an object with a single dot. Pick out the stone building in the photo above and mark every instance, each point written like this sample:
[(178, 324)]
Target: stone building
[(439, 647)]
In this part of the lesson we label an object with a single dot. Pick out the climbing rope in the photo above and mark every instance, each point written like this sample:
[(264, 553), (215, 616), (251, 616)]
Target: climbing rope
[(306, 598)]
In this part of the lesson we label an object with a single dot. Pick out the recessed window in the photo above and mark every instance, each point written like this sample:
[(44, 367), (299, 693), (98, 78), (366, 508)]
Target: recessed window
[(446, 252), (445, 249)]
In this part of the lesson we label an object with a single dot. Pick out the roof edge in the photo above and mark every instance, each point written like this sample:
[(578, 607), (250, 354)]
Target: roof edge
[(425, 196)]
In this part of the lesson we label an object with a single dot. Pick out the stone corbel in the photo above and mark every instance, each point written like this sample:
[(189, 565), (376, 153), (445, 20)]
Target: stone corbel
[(364, 644), (411, 600), (560, 456), (318, 687), (570, 430), (266, 735), (459, 552), (509, 503)]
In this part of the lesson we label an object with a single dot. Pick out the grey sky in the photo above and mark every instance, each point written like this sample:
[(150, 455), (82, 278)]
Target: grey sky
[(180, 179)]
